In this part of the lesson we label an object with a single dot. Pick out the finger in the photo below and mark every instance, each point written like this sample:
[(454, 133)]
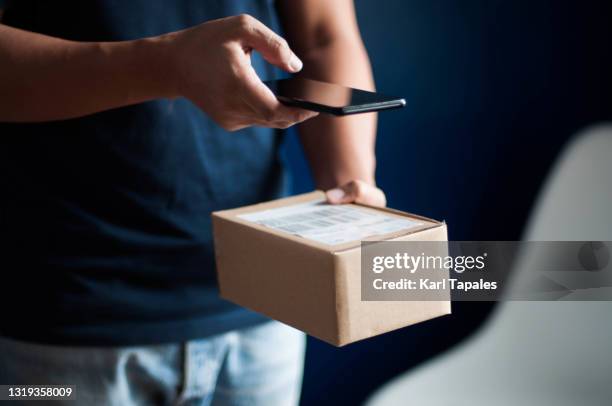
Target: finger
[(357, 192), (301, 116), (266, 106), (270, 45)]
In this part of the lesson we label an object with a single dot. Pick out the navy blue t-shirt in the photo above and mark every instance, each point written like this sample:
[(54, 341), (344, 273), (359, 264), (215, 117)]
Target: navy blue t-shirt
[(105, 219)]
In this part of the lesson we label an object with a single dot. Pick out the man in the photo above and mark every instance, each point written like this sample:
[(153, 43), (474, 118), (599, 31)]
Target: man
[(123, 125)]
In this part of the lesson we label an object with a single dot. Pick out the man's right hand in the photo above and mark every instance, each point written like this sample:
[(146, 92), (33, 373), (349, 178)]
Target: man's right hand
[(46, 78), (212, 66)]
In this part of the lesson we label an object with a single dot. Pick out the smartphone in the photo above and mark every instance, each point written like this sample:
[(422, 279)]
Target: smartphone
[(330, 98)]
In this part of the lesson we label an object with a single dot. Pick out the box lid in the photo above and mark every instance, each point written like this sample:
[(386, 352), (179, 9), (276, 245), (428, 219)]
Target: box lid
[(261, 216)]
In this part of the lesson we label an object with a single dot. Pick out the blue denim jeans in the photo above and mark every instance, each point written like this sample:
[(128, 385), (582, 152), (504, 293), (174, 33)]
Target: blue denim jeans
[(260, 365)]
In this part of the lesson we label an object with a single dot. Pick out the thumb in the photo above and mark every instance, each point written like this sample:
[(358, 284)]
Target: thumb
[(340, 195), (270, 45), (356, 191)]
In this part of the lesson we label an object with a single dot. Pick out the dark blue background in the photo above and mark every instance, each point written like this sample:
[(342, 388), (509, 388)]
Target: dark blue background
[(494, 89)]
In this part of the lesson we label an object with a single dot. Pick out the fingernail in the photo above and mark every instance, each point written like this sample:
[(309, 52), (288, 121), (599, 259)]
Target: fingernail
[(295, 64), (335, 195)]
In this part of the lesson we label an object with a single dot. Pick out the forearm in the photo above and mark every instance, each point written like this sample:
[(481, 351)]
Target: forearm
[(45, 78), (340, 149)]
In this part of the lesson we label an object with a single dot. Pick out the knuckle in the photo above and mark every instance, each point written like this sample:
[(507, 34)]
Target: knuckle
[(244, 22), (357, 186), (280, 46)]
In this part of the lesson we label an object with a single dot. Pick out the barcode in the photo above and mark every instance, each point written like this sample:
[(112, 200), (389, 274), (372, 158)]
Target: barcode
[(328, 224), (316, 219), (295, 228)]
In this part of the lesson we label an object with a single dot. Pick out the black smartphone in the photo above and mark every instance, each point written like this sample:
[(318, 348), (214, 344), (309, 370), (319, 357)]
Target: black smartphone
[(330, 98)]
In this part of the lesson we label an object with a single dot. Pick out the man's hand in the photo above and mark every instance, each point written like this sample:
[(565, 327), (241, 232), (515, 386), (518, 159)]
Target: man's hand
[(46, 78), (212, 62), (325, 34), (357, 191)]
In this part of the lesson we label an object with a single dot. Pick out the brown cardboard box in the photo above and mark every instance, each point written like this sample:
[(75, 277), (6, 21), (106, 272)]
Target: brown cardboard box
[(312, 285)]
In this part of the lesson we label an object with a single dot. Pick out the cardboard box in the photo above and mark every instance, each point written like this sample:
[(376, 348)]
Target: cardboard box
[(269, 262)]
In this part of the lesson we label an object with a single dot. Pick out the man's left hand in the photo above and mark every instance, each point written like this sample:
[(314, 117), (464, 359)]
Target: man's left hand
[(357, 191)]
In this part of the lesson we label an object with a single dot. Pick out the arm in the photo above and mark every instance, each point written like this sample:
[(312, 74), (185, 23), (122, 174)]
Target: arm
[(340, 150), (45, 78)]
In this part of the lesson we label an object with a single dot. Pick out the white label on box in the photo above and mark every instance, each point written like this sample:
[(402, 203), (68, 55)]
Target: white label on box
[(329, 224)]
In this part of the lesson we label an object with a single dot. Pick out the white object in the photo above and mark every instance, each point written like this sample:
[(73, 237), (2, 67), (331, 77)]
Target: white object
[(330, 224), (536, 353)]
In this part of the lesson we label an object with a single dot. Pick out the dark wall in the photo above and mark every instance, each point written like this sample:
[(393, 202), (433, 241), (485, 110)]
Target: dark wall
[(494, 89)]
